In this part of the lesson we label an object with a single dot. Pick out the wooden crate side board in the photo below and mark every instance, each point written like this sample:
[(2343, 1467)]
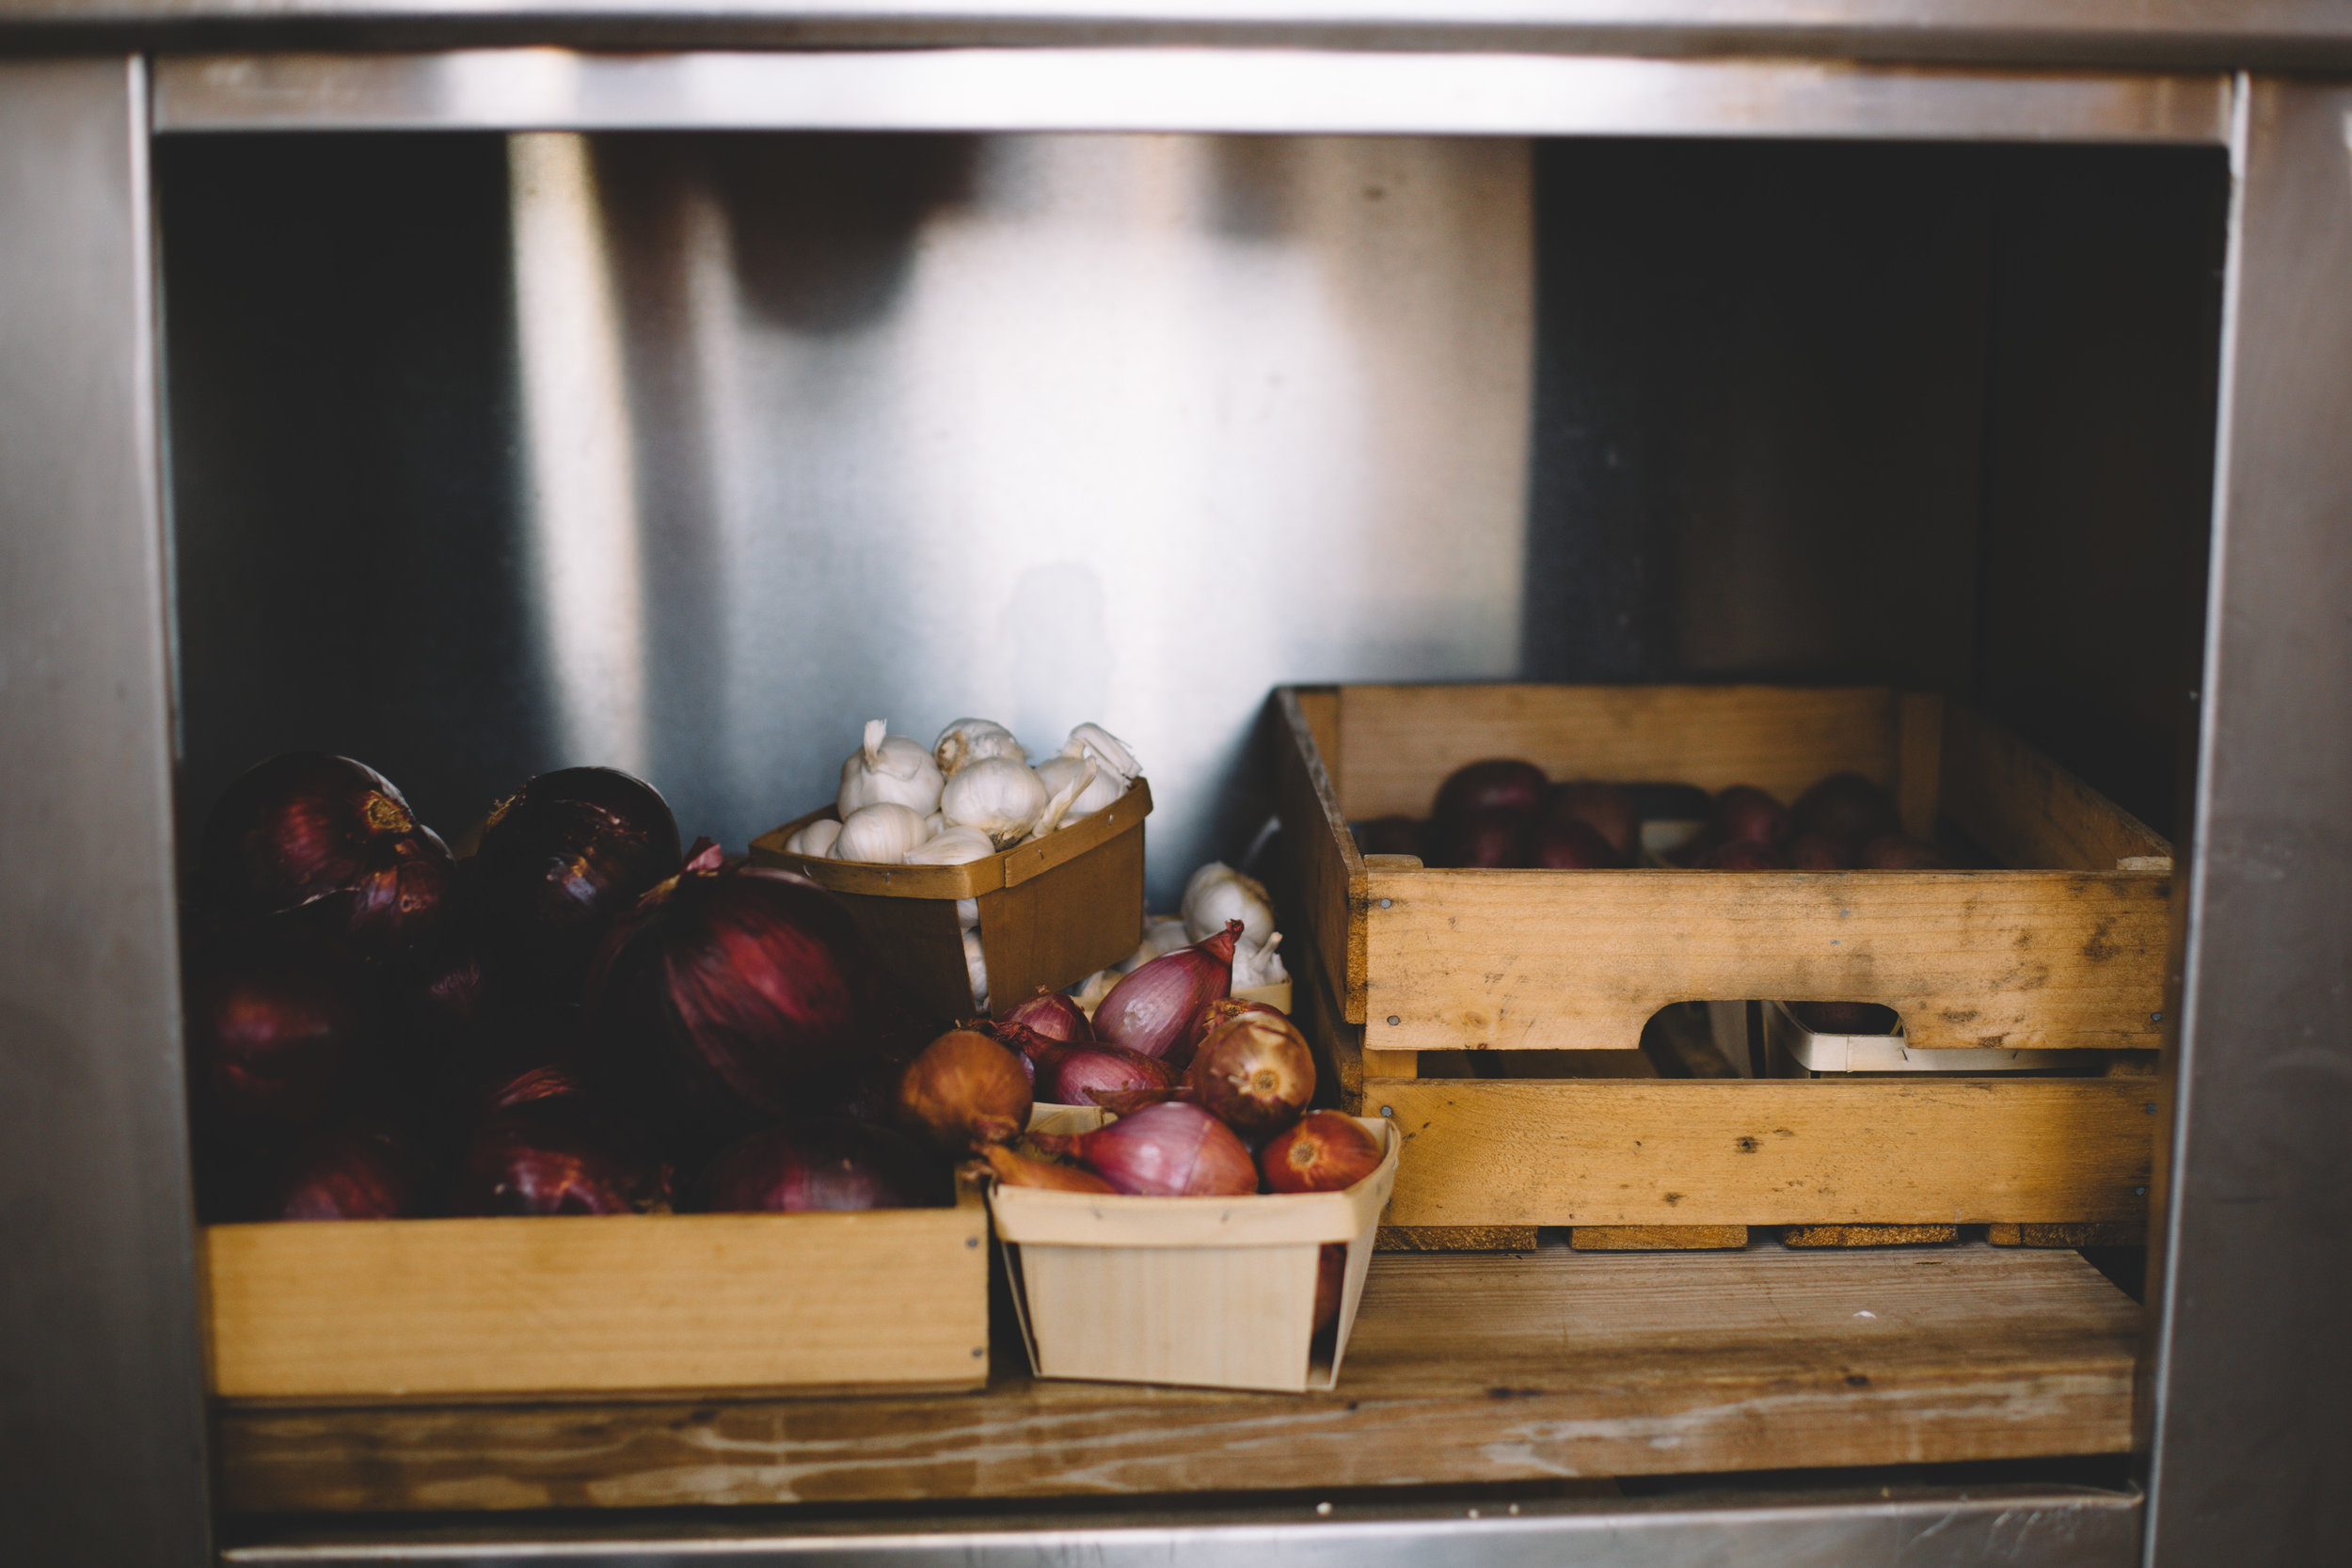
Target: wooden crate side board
[(1056, 927), (2030, 811), (1401, 741), (1327, 867), (569, 1306), (1819, 1152), (1580, 961)]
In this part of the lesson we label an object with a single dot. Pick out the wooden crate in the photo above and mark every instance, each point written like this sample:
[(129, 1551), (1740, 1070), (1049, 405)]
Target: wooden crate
[(1206, 1291), (372, 1311), (1052, 912), (1396, 958)]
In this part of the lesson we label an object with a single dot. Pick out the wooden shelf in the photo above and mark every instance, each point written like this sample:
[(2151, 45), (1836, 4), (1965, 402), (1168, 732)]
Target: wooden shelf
[(1464, 1368)]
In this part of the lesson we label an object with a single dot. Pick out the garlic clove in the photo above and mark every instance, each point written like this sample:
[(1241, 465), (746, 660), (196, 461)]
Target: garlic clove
[(1002, 797), (970, 741), (1112, 750), (968, 914), (951, 847), (816, 840), (976, 967), (1216, 892), (882, 832), (1259, 965), (1070, 789)]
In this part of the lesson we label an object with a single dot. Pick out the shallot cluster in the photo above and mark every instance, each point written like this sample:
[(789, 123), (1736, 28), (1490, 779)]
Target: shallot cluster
[(579, 1018)]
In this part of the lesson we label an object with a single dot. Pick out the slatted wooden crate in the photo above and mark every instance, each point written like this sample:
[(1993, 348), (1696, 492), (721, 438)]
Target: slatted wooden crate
[(362, 1312), (2065, 951)]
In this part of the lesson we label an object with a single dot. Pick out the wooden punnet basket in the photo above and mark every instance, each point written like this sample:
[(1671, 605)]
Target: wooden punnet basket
[(2066, 951), (1212, 1293), (378, 1311), (1052, 912)]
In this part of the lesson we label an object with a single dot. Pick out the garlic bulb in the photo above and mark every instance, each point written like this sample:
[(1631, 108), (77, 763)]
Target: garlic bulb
[(1098, 985), (1115, 769), (969, 741), (968, 914), (976, 966), (935, 824), (816, 840), (1066, 787), (883, 832), (1217, 894), (1000, 797), (888, 768), (1259, 965), (951, 847), (1162, 936)]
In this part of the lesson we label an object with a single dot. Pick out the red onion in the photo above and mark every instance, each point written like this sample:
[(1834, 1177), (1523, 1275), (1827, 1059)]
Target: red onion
[(1158, 1010), (1743, 854), (1323, 1153), (1330, 1284), (823, 1164), (1019, 1170), (555, 1156), (753, 986), (1846, 807), (1391, 835), (276, 1029), (965, 1089), (1051, 1015), (1254, 1073), (1894, 852), (1566, 844), (1163, 1152), (1496, 785), (352, 1172), (331, 837), (1820, 853), (1745, 812), (1090, 1074), (564, 859), (1492, 840), (1604, 808)]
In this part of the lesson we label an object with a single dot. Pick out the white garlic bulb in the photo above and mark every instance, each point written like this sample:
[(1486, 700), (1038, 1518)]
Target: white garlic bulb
[(883, 832), (951, 847), (1000, 797), (1163, 935), (1098, 985), (935, 824), (888, 768), (1115, 769), (1217, 894), (976, 966), (969, 741), (1066, 787), (1259, 965), (816, 840), (968, 914)]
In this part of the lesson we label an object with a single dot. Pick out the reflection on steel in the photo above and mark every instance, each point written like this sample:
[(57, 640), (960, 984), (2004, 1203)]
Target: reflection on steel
[(1296, 92), (2252, 1373), (578, 508), (101, 1434), (1989, 1526)]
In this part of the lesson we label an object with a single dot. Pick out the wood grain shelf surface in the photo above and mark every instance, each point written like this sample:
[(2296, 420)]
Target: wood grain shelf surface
[(1464, 1368)]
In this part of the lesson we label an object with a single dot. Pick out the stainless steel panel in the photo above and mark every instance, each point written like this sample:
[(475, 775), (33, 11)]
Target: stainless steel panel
[(1292, 91), (2251, 1370), (808, 431), (101, 1390), (1989, 1527), (2285, 34)]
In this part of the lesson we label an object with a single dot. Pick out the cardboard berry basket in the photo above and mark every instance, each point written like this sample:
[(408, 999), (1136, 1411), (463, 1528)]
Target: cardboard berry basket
[(1403, 967), (1214, 1293), (1052, 912)]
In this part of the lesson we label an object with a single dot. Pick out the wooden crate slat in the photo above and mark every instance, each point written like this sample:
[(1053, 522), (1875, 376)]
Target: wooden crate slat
[(2029, 810), (1580, 961), (1398, 743), (1768, 1151), (1556, 1364), (1329, 869)]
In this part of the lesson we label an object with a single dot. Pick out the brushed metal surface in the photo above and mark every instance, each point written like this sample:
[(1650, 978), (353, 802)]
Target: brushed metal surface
[(102, 1430), (2224, 34), (2251, 1372), (1994, 1525), (797, 431), (1262, 91)]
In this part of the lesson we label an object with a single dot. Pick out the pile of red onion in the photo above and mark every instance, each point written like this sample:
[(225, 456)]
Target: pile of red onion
[(574, 1021)]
